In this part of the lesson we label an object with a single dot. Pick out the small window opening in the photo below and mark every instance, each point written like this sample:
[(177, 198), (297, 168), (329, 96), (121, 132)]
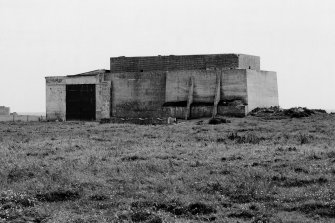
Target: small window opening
[(141, 70)]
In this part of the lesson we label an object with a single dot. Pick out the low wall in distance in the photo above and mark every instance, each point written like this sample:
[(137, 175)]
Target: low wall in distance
[(21, 118)]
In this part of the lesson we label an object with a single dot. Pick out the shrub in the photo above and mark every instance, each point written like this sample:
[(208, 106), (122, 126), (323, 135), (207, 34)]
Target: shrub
[(217, 120), (303, 138), (200, 208), (249, 137)]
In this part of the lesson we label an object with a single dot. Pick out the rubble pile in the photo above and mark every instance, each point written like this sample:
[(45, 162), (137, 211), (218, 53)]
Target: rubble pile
[(277, 112)]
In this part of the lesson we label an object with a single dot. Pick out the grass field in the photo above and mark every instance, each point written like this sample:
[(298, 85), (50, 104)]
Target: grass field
[(249, 170)]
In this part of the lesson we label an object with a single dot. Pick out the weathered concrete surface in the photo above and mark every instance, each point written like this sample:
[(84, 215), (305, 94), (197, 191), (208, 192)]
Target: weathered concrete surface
[(139, 94), (183, 62), (4, 110), (262, 89), (55, 98), (103, 100), (233, 85), (177, 85)]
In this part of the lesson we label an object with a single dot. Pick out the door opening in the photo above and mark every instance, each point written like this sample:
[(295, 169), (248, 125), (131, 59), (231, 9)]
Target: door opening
[(80, 102)]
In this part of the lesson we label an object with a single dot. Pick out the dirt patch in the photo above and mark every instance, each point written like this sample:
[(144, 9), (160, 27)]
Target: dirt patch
[(200, 209), (58, 195), (133, 158)]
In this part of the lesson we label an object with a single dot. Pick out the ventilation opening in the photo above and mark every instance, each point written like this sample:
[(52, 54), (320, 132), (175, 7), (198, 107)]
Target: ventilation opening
[(141, 70)]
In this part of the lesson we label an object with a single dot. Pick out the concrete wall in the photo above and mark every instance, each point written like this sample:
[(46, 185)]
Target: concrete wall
[(178, 82), (56, 95), (55, 98), (233, 85), (262, 89), (103, 100), (4, 110), (143, 94), (183, 62), (139, 94)]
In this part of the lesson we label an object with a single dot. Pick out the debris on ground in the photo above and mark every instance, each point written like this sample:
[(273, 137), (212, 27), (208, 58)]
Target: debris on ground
[(277, 112), (217, 120)]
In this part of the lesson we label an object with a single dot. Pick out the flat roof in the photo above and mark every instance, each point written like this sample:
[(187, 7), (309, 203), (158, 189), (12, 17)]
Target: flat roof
[(217, 54), (90, 73)]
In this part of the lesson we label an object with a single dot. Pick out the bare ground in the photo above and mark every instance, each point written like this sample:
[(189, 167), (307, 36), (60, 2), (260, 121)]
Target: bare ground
[(249, 170)]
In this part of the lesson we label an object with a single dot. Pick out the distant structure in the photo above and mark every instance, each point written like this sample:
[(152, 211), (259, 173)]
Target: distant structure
[(189, 86), (4, 110)]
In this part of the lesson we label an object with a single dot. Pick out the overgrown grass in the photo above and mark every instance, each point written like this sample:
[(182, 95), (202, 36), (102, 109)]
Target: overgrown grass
[(248, 170)]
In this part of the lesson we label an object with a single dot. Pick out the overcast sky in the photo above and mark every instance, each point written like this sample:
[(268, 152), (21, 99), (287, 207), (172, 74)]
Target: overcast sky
[(41, 38)]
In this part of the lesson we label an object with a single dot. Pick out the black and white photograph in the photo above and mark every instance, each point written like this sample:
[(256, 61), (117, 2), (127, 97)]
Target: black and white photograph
[(179, 111)]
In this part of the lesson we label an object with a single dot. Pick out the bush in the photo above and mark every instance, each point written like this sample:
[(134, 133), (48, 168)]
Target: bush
[(303, 139), (249, 137), (217, 120)]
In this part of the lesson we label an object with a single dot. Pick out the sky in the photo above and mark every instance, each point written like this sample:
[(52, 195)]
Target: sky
[(39, 38)]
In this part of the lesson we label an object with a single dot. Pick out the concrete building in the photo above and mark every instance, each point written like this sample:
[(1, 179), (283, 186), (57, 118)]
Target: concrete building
[(4, 110), (189, 86)]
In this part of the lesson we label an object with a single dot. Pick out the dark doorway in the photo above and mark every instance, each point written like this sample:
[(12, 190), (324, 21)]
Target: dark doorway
[(80, 102)]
